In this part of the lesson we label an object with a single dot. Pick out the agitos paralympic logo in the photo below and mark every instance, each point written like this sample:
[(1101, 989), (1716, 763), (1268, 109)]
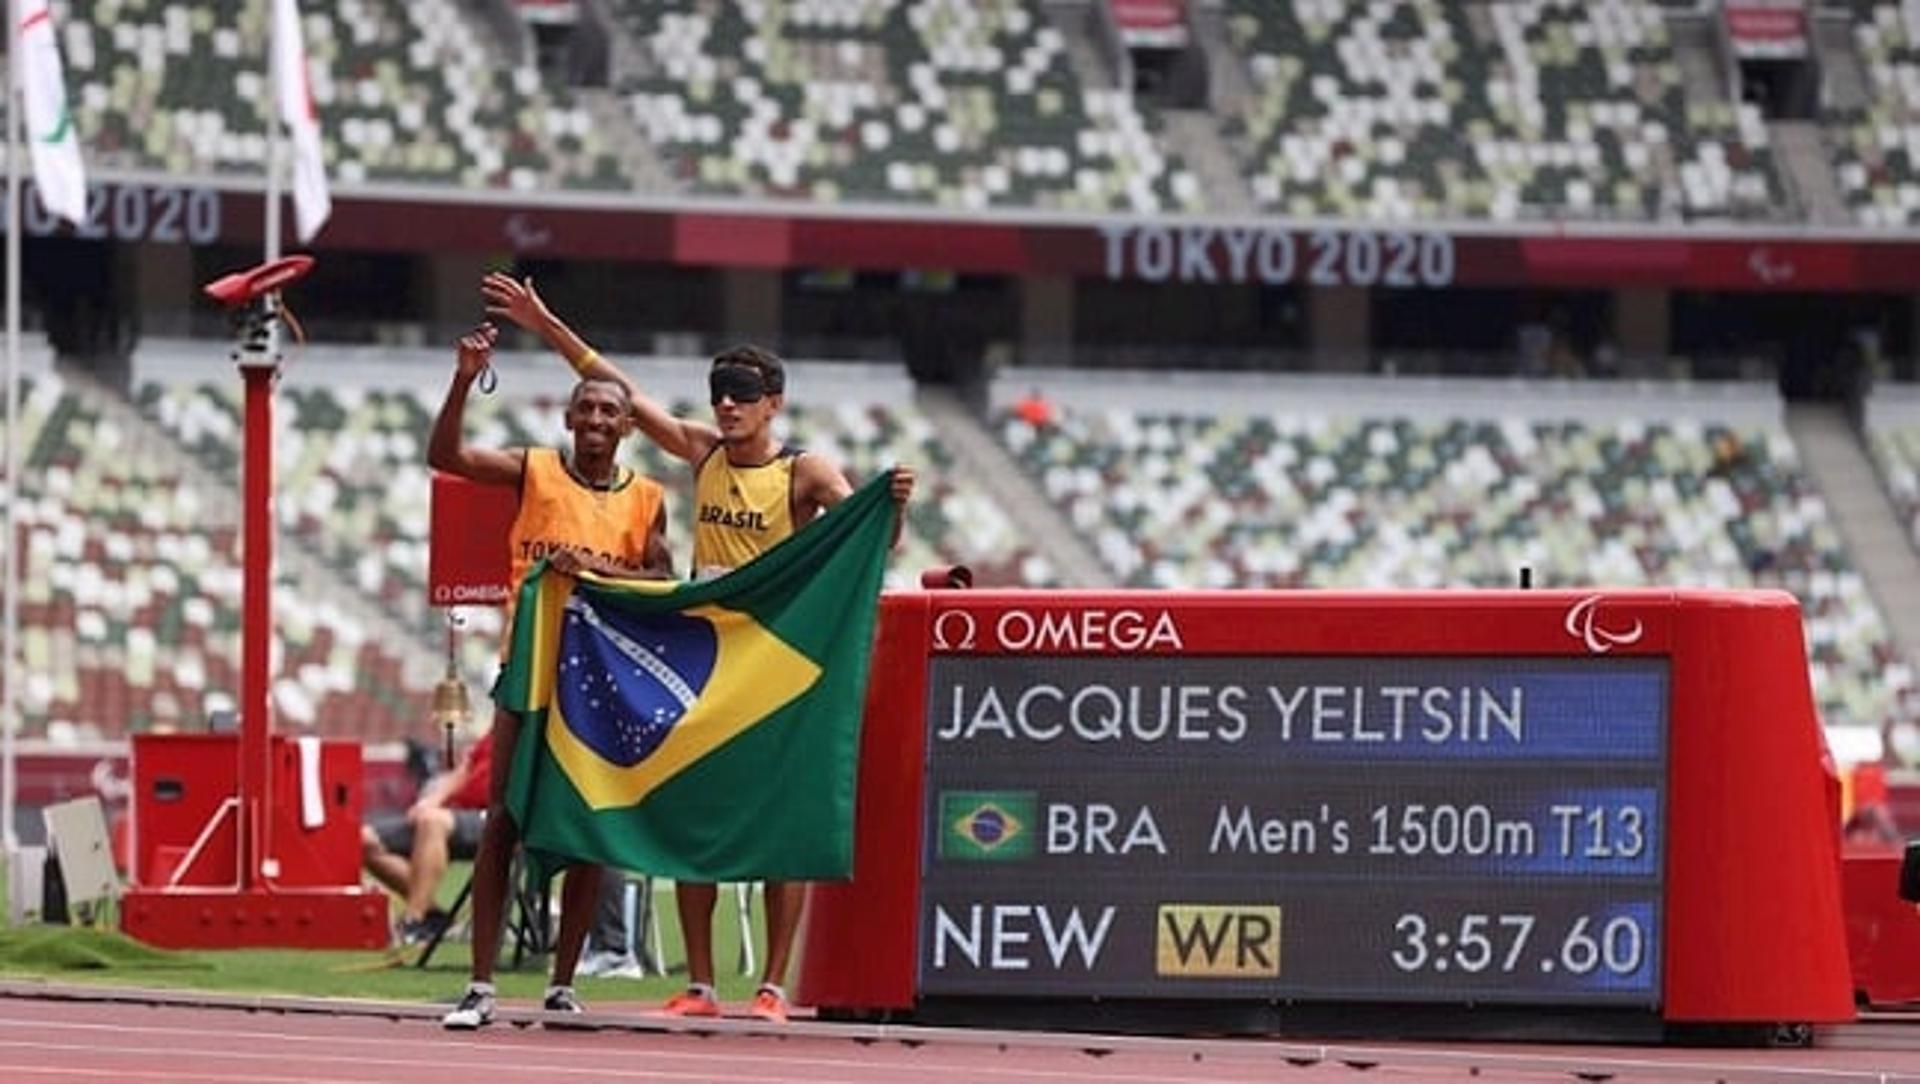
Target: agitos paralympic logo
[(1583, 624), (987, 825)]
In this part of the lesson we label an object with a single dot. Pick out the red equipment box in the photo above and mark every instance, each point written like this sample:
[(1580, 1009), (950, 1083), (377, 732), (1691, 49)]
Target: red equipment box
[(186, 861), (181, 782), (1883, 930)]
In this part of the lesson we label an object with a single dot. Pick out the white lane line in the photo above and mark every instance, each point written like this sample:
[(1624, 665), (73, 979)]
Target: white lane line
[(15, 1073), (518, 1070), (437, 1047)]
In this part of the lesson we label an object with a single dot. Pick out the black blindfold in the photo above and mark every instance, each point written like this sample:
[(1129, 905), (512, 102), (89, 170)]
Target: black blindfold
[(736, 382)]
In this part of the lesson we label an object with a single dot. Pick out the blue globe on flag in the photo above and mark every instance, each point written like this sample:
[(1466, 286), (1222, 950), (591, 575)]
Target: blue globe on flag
[(988, 826), (625, 681)]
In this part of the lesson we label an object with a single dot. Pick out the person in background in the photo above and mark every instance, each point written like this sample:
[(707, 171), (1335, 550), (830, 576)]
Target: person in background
[(1035, 409), (409, 852)]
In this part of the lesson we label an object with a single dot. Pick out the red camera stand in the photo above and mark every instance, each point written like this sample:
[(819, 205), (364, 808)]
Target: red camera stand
[(254, 874)]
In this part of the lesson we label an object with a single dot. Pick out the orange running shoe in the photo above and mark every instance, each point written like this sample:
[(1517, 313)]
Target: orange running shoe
[(769, 1004), (692, 1002)]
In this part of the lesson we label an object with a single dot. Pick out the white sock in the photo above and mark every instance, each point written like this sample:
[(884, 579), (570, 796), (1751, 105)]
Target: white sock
[(477, 987), (775, 989), (704, 990), (552, 990)]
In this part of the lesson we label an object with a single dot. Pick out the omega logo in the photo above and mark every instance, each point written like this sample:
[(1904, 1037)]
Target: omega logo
[(954, 630)]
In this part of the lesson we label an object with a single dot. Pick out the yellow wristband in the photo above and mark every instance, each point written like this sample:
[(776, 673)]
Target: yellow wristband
[(585, 361)]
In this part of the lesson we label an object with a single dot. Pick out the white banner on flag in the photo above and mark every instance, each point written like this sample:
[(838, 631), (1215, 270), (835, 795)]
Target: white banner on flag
[(52, 142), (311, 203)]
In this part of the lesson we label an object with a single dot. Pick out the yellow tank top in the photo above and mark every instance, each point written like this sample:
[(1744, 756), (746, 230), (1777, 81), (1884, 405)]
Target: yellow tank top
[(740, 512), (558, 511)]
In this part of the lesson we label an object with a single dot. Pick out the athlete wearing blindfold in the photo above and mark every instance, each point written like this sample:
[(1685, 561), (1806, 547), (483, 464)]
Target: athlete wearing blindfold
[(750, 492)]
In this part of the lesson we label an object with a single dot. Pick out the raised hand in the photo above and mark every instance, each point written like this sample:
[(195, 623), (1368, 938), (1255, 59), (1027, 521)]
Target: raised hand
[(514, 300), (476, 350)]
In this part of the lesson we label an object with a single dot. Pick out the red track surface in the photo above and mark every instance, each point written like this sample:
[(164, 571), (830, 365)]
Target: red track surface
[(72, 1038)]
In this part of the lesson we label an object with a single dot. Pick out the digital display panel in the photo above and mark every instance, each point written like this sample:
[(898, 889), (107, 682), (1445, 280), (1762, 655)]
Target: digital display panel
[(1331, 828)]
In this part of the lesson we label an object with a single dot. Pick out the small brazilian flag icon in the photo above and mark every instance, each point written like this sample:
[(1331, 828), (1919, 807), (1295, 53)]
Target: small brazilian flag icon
[(987, 825)]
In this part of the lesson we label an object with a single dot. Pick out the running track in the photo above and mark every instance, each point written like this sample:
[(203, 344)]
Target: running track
[(69, 1034)]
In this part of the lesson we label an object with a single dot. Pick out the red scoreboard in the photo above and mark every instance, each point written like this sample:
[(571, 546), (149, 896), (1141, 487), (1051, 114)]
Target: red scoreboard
[(1614, 800)]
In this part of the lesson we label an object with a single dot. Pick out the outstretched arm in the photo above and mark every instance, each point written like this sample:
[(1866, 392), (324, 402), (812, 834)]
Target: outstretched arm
[(519, 302), (447, 449)]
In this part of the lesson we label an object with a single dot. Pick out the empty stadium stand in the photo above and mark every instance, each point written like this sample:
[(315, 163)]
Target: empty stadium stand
[(1893, 436), (1492, 110), (408, 90), (953, 102), (1328, 482), (1391, 109), (130, 595), (1507, 110), (1898, 452), (1876, 148)]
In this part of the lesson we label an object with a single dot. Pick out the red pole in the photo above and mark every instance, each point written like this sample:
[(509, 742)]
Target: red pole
[(256, 616)]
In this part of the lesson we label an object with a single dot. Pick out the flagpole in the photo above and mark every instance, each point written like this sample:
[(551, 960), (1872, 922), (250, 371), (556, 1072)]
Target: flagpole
[(273, 136), (9, 672), (258, 530)]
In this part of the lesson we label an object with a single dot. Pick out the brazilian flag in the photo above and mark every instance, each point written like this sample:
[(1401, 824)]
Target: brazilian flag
[(701, 731)]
